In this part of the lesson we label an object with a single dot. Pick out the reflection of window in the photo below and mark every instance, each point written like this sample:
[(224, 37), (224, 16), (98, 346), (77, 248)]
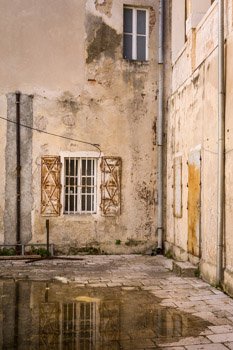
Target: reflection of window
[(69, 325), (80, 185), (168, 324), (87, 325), (79, 326), (135, 34)]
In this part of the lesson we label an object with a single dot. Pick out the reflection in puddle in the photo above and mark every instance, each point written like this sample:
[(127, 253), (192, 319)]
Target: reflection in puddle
[(39, 315)]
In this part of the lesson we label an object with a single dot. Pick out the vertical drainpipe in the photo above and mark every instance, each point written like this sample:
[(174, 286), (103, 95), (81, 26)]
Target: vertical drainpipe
[(18, 171), (221, 142), (160, 131)]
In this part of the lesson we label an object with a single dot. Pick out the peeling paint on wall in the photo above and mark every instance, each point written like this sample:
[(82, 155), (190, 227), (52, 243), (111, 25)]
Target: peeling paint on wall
[(177, 187), (104, 6)]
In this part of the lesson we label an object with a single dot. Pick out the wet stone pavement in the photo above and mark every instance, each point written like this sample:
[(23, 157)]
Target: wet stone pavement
[(110, 303)]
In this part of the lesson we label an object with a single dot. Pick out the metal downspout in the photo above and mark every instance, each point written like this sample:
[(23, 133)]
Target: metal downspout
[(18, 171), (221, 143), (160, 131)]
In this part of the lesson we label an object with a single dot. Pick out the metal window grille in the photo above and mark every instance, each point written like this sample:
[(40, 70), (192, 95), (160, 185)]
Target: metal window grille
[(80, 185), (69, 328), (87, 325), (79, 326), (136, 28)]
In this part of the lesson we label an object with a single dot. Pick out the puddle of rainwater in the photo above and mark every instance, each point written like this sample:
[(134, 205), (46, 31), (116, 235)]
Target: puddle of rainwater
[(40, 315)]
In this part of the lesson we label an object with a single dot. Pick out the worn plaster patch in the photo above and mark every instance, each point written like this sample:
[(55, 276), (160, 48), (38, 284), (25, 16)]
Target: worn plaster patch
[(144, 193), (41, 122), (104, 6), (152, 20), (68, 120), (105, 41), (69, 102)]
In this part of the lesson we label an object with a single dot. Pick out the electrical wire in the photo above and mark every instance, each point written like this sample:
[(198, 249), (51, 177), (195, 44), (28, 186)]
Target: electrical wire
[(96, 145)]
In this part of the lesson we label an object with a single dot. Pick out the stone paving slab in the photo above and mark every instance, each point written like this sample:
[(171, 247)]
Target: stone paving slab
[(207, 347), (221, 338), (188, 341)]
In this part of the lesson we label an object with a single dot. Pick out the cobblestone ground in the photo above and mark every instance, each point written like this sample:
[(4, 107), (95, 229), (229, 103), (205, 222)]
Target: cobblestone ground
[(191, 296)]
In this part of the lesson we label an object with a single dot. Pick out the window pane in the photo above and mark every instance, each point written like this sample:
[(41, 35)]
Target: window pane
[(127, 47), (84, 167), (71, 167), (128, 20), (141, 22), (89, 203), (75, 202), (72, 181), (141, 48), (89, 167), (83, 203), (66, 203), (71, 203), (67, 167)]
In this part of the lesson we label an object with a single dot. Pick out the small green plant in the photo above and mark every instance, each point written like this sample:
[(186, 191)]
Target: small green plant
[(118, 242), (132, 242), (197, 273), (39, 251), (168, 254), (89, 250), (7, 251)]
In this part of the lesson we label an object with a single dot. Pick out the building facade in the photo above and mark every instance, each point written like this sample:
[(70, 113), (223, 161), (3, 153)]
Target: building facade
[(192, 146), (81, 77)]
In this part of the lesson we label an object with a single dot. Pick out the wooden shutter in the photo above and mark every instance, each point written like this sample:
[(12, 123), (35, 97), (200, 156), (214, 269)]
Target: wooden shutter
[(111, 186), (50, 185)]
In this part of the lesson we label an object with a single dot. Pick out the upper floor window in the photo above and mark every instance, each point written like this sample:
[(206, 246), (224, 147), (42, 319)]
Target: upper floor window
[(136, 29)]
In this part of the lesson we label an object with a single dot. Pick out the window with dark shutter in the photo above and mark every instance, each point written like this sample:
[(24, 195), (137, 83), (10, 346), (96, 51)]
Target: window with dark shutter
[(50, 185), (111, 186), (135, 43)]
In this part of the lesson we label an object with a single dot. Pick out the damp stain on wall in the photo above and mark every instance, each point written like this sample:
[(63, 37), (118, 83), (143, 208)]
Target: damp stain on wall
[(105, 41), (69, 102)]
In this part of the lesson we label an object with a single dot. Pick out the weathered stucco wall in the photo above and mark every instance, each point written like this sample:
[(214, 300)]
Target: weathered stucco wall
[(193, 122), (71, 61), (3, 134)]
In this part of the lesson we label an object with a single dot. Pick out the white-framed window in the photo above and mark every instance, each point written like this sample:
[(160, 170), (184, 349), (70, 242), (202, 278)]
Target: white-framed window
[(80, 185), (136, 33)]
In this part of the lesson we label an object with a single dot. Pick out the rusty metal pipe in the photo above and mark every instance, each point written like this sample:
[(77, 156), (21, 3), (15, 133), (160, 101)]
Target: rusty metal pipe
[(160, 131), (18, 171), (221, 143), (47, 235)]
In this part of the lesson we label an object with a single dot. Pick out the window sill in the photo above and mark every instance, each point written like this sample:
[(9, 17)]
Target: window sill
[(78, 214), (136, 62)]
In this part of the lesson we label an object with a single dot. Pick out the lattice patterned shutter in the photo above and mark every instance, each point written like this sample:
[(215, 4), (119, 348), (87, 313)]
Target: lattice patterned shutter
[(111, 186), (50, 185)]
